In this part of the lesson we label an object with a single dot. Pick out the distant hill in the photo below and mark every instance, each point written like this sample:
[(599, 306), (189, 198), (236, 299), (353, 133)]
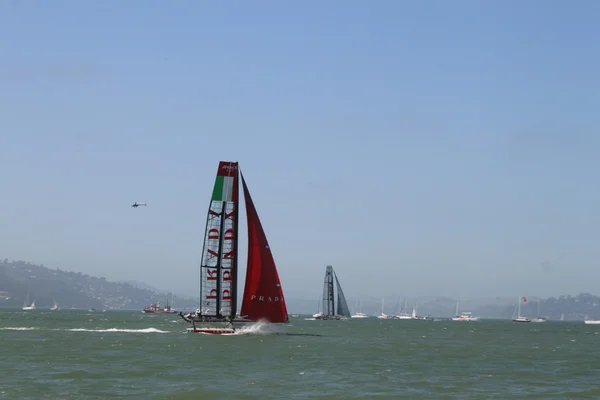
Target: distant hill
[(75, 290)]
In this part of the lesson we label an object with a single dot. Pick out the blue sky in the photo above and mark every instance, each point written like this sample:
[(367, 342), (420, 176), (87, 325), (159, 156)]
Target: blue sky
[(421, 148)]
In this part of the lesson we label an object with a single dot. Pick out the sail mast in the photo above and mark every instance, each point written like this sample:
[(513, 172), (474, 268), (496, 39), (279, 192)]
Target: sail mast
[(328, 300)]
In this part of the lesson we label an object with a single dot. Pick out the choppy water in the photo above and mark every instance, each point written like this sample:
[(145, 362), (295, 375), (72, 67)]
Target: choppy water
[(123, 355)]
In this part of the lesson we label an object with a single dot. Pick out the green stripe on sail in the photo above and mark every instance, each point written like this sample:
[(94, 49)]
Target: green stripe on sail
[(218, 189)]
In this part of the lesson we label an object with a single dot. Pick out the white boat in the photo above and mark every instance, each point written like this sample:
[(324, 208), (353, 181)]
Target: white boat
[(359, 314), (592, 321), (463, 316), (414, 315), (25, 306), (519, 317), (401, 314), (383, 315), (318, 314), (54, 307), (538, 318)]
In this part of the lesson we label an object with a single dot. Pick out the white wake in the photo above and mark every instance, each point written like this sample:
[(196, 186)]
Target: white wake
[(18, 328), (147, 330), (260, 328)]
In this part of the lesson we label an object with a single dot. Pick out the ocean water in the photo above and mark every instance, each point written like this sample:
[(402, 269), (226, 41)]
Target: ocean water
[(130, 355)]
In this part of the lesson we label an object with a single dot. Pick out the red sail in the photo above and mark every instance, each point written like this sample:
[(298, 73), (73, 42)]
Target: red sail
[(263, 297)]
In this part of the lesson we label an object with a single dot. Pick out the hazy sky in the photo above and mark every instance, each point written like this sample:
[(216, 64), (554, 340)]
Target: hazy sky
[(420, 148)]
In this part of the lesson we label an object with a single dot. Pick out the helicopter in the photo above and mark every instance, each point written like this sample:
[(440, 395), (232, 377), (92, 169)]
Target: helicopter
[(136, 205)]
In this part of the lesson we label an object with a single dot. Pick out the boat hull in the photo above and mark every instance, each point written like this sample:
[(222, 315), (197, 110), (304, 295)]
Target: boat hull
[(219, 328), (215, 326), (212, 331), (329, 318), (521, 320)]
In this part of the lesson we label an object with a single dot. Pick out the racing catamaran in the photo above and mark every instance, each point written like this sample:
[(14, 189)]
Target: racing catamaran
[(329, 305), (263, 296)]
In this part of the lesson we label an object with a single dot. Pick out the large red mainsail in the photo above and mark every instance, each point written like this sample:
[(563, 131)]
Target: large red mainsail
[(263, 297)]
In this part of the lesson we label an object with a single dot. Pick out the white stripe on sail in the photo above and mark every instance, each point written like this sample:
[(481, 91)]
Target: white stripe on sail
[(227, 188)]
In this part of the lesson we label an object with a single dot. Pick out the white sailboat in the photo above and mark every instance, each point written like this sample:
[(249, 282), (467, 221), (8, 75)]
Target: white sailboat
[(54, 307), (319, 314), (588, 321), (25, 306), (416, 317), (359, 314), (520, 318), (464, 316), (538, 318), (403, 315), (383, 315)]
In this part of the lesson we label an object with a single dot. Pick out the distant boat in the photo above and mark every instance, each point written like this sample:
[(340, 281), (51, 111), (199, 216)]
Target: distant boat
[(403, 314), (158, 309), (538, 318), (383, 315), (520, 318), (464, 316), (25, 306), (591, 321), (318, 313), (414, 315), (329, 302), (359, 314), (54, 307)]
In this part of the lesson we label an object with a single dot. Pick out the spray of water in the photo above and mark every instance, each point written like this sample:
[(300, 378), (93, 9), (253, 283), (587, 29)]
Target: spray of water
[(260, 328)]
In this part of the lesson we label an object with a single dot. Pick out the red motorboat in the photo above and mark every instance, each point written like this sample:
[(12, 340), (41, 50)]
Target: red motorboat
[(158, 309)]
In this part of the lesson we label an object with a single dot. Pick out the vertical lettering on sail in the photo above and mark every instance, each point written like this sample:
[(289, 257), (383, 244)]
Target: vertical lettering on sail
[(219, 257)]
